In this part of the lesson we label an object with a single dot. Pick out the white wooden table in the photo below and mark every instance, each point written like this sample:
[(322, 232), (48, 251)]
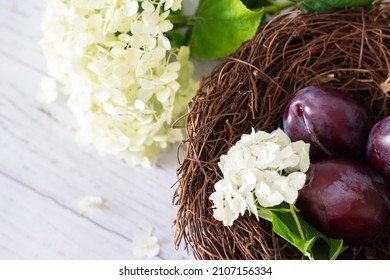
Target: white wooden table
[(44, 172)]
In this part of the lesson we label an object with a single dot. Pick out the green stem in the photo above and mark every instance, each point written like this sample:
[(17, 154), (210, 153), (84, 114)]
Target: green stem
[(277, 7), (293, 213), (277, 209), (299, 226), (181, 21), (295, 217)]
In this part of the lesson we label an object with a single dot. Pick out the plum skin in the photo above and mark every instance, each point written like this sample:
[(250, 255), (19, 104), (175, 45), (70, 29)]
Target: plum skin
[(331, 121), (346, 199), (378, 147)]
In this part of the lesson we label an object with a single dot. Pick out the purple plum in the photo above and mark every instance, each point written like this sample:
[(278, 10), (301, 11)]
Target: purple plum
[(346, 199), (331, 121), (378, 147)]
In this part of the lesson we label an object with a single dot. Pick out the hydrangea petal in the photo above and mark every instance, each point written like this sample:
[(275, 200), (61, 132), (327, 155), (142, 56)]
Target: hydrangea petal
[(131, 8), (275, 198), (250, 178), (296, 180), (139, 104), (48, 90)]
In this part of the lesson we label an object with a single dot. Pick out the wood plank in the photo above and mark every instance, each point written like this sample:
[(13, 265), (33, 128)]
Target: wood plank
[(59, 231), (44, 173)]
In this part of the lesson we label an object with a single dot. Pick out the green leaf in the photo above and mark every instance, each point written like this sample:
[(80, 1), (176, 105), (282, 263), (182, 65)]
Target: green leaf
[(265, 214), (281, 228), (308, 240), (221, 27), (336, 248), (331, 5)]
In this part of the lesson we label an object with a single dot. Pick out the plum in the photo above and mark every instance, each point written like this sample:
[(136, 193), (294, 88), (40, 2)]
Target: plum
[(378, 147), (331, 121), (346, 199)]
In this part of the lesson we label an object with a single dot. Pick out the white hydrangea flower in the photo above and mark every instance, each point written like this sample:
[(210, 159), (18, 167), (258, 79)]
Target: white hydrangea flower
[(262, 169), (125, 82)]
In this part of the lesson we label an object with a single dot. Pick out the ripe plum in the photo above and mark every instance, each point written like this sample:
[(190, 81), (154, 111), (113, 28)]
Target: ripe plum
[(332, 122), (346, 199), (378, 147)]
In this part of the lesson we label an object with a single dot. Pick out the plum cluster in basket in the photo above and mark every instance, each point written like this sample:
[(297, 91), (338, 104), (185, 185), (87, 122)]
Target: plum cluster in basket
[(347, 193)]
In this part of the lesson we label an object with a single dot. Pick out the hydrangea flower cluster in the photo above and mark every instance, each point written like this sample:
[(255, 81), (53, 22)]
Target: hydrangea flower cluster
[(261, 169), (125, 82)]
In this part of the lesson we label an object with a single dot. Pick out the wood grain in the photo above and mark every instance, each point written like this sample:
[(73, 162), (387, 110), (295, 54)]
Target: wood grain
[(44, 173)]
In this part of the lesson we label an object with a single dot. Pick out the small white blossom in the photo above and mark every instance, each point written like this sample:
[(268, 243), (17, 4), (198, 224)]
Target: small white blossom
[(146, 246), (131, 8), (174, 5), (301, 150), (262, 169), (90, 203), (126, 84)]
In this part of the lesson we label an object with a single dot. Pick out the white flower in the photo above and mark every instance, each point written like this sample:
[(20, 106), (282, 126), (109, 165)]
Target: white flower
[(126, 84), (263, 169), (273, 188), (174, 5), (301, 149), (131, 8), (266, 192), (231, 200), (48, 90), (90, 203), (146, 246)]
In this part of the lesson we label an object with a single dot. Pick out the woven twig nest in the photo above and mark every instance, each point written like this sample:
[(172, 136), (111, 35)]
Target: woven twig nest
[(348, 49)]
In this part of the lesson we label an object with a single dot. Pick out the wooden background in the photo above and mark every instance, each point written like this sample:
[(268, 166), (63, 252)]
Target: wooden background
[(44, 172)]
